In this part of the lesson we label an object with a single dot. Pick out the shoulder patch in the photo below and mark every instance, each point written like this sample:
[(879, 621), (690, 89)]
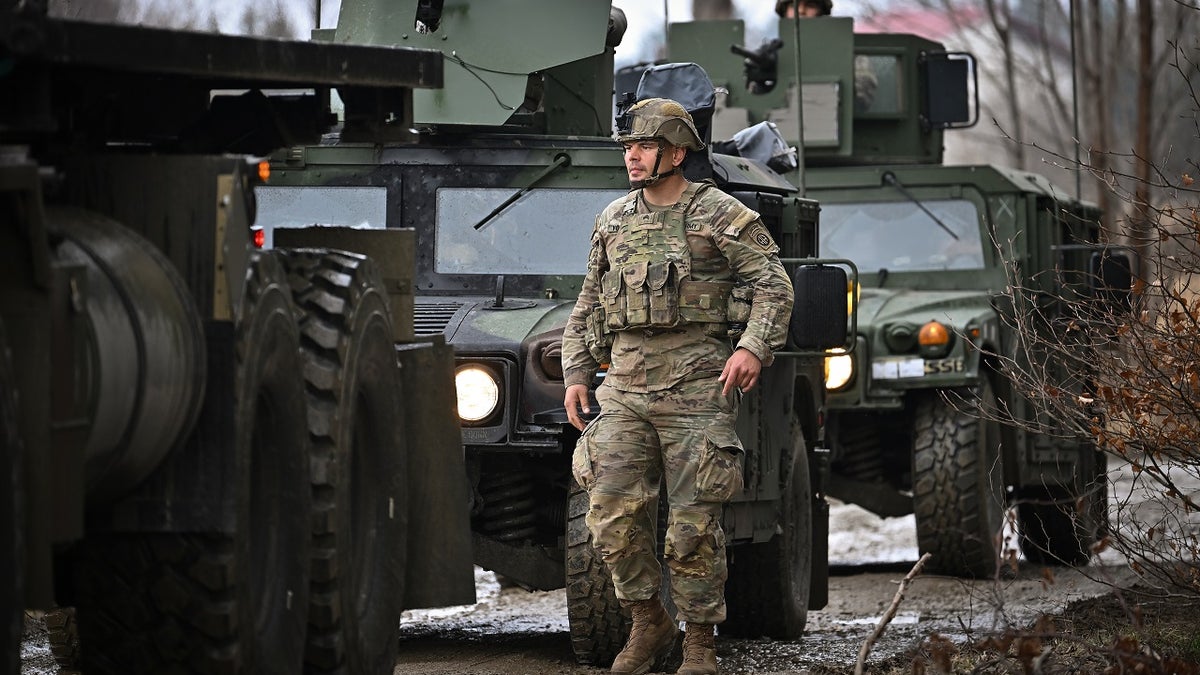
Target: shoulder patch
[(757, 234)]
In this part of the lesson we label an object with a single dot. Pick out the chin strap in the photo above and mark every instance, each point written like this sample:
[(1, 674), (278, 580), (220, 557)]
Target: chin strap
[(656, 176), (636, 184)]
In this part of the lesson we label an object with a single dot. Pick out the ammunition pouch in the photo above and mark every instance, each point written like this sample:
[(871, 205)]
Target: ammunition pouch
[(612, 300), (652, 295), (641, 295), (662, 282)]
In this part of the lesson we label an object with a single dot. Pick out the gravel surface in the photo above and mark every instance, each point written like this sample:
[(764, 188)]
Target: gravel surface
[(510, 630), (513, 631)]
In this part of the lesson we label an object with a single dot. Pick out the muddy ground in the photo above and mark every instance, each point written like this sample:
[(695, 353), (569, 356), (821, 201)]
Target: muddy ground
[(512, 631)]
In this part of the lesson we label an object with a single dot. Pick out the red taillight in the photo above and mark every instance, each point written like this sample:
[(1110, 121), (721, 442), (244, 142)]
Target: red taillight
[(260, 238)]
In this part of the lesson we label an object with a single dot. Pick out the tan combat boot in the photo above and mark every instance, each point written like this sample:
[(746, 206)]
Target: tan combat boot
[(652, 637), (699, 650)]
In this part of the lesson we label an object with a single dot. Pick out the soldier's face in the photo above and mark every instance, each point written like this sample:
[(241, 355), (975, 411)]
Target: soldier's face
[(640, 156), (808, 10)]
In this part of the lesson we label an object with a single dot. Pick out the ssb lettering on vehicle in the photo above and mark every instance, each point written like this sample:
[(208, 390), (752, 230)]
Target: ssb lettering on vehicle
[(954, 365)]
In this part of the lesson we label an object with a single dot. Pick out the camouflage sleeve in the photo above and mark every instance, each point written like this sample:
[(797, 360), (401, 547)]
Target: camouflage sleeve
[(578, 365), (754, 258)]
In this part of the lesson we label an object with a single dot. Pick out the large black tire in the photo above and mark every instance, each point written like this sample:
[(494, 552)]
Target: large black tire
[(958, 482), (12, 515), (217, 602), (355, 421), (1059, 525), (769, 583), (599, 625)]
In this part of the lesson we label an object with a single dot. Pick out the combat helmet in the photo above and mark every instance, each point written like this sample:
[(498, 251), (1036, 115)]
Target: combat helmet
[(659, 119)]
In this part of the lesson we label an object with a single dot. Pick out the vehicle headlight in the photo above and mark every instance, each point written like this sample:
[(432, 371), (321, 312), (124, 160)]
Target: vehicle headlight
[(478, 392), (839, 368), (550, 360)]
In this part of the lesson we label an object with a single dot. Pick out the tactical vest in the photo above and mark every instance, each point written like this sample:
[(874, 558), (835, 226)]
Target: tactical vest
[(648, 284)]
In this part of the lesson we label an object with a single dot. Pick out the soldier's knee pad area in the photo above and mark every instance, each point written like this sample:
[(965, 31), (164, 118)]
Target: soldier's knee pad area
[(693, 544), (619, 524)]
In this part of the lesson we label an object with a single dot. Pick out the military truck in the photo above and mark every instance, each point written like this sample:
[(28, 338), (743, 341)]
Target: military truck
[(913, 409), (502, 175), (210, 451)]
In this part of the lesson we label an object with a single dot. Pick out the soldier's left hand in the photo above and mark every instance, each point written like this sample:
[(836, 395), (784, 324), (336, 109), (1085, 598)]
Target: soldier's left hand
[(741, 371)]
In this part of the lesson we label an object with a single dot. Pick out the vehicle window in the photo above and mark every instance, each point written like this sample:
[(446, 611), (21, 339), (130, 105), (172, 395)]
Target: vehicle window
[(902, 236), (363, 207), (543, 232), (877, 83)]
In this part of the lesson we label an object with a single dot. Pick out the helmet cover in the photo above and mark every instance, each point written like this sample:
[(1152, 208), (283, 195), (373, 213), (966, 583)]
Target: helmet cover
[(660, 119)]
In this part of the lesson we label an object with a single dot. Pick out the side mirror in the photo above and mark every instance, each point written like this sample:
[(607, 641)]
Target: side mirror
[(819, 315), (950, 91)]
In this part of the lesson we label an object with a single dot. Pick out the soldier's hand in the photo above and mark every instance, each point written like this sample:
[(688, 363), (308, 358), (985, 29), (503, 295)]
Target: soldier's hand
[(577, 399), (741, 371)]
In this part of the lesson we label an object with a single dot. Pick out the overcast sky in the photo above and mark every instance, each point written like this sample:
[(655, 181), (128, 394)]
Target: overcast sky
[(647, 19), (646, 23)]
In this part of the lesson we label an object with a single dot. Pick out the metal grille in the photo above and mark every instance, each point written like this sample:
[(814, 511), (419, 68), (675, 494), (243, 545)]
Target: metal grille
[(433, 317)]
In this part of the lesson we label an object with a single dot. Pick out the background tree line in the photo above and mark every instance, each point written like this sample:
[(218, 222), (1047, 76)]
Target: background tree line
[(1135, 76)]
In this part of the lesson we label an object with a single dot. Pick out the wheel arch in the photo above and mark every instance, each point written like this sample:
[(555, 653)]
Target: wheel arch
[(1011, 437), (808, 405)]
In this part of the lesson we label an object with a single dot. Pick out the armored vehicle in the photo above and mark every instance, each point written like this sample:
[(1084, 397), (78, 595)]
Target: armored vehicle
[(209, 450), (501, 173), (913, 409)]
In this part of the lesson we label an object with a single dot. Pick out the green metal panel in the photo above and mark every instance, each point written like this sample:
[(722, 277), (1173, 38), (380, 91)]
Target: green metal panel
[(899, 137), (216, 61), (707, 43), (486, 47), (826, 64), (439, 536), (987, 178)]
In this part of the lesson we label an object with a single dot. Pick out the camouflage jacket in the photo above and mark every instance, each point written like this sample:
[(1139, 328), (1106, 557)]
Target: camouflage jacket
[(728, 242)]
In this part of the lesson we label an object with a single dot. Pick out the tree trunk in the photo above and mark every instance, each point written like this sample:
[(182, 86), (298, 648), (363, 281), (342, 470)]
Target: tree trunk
[(1001, 21), (1141, 225)]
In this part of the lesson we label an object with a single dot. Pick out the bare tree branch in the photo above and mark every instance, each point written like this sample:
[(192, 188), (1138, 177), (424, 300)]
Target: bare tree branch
[(888, 615)]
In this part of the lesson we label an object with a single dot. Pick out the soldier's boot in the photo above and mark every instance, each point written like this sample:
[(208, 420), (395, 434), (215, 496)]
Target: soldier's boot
[(699, 650), (651, 638)]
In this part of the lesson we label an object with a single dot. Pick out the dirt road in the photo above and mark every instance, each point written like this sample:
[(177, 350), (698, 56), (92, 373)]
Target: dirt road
[(511, 631), (514, 631)]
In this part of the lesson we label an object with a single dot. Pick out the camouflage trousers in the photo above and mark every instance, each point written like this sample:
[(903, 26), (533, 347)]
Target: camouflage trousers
[(684, 436)]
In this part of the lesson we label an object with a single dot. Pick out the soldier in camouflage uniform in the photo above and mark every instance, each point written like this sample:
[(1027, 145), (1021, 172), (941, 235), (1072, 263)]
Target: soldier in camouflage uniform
[(686, 300)]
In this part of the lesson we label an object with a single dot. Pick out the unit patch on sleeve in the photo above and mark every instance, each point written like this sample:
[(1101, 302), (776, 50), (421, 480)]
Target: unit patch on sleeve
[(757, 234)]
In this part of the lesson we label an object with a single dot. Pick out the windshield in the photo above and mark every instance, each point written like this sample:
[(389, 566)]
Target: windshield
[(542, 232), (360, 207), (900, 236)]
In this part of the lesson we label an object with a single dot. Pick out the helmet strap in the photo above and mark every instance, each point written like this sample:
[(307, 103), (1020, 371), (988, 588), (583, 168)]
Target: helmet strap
[(655, 176)]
